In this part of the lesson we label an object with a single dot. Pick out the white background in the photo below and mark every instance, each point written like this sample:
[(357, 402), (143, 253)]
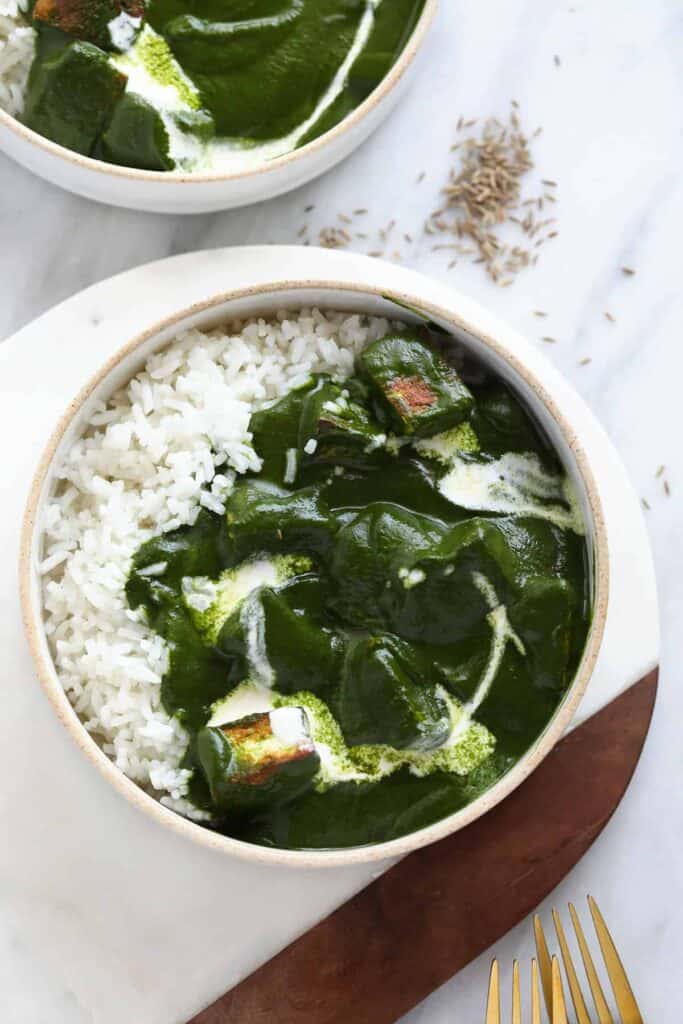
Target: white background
[(611, 118)]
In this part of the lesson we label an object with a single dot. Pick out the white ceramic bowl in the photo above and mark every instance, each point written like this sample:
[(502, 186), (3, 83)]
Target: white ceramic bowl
[(160, 192), (360, 285)]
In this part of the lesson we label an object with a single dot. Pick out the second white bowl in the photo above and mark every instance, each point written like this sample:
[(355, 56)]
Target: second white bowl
[(159, 192)]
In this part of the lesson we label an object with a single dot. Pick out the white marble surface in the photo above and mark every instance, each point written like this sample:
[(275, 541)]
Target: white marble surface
[(611, 115)]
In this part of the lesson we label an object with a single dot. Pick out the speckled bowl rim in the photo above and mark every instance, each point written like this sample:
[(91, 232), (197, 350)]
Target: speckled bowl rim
[(386, 86), (32, 614)]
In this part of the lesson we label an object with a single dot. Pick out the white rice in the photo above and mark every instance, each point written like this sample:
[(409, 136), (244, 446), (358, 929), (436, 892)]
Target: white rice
[(139, 469), (17, 46)]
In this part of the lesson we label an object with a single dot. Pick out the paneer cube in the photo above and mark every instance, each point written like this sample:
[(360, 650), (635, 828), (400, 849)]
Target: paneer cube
[(137, 136), (386, 699), (72, 95), (271, 644), (415, 390), (337, 430), (109, 24), (259, 761), (263, 517)]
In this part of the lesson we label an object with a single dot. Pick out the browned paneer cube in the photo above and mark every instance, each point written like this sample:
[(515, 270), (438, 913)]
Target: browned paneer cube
[(415, 390), (259, 761), (109, 24)]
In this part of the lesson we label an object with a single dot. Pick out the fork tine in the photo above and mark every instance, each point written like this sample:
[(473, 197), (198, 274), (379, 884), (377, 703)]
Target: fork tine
[(559, 1010), (577, 998), (493, 1001), (516, 998), (535, 995), (544, 964), (601, 1008), (623, 993)]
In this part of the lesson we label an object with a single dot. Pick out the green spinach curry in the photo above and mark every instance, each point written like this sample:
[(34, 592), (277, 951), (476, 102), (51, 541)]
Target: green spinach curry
[(388, 613), (189, 85)]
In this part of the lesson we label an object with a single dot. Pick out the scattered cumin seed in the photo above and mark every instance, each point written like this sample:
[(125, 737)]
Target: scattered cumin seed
[(557, 60), (608, 316), (343, 218), (549, 340), (660, 471), (360, 212), (539, 312), (408, 238), (549, 182), (377, 253), (421, 177), (667, 488), (302, 231), (629, 271), (645, 503), (585, 361), (483, 193), (307, 209), (451, 264), (334, 238)]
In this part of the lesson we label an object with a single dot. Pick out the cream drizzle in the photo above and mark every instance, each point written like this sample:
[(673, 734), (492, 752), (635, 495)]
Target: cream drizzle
[(253, 622), (229, 155), (515, 483)]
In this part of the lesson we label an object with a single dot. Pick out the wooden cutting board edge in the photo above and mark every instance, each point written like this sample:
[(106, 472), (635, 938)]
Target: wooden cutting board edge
[(385, 950)]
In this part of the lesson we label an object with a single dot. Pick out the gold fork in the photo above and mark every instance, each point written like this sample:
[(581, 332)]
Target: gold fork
[(493, 1002), (552, 981)]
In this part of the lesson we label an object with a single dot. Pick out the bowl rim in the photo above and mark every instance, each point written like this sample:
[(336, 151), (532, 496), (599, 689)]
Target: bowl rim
[(358, 114), (33, 618)]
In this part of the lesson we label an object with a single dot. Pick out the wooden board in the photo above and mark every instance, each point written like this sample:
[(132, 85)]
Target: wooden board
[(384, 951)]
